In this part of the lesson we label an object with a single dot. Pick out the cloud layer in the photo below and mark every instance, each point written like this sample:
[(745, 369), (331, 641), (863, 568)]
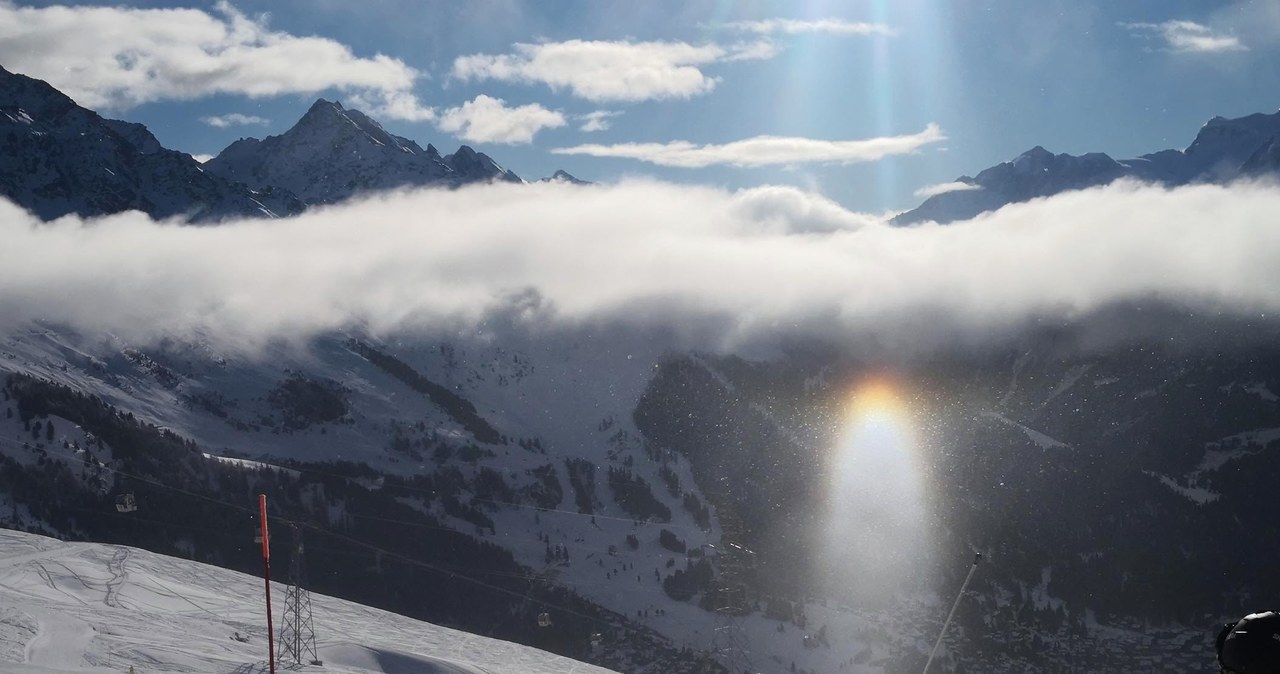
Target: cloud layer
[(762, 150), (767, 260), (1186, 36), (610, 71), (119, 57)]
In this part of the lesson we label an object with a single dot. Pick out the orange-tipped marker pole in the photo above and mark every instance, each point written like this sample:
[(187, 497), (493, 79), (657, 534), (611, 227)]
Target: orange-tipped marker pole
[(266, 574)]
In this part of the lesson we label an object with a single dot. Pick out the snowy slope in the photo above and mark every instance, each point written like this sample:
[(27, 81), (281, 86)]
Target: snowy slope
[(574, 394), (84, 607), (571, 394)]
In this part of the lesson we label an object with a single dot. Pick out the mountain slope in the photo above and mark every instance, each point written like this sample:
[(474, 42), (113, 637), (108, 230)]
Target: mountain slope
[(73, 607), (1045, 460), (1224, 149), (60, 158), (333, 153)]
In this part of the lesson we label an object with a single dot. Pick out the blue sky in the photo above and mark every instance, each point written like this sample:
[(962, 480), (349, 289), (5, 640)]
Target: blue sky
[(873, 100)]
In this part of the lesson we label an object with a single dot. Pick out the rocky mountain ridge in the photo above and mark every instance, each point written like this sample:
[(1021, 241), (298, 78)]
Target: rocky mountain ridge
[(60, 158), (333, 153), (63, 159), (1223, 150)]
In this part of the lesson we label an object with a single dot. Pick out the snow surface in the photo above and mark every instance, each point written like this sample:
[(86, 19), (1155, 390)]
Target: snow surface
[(87, 607)]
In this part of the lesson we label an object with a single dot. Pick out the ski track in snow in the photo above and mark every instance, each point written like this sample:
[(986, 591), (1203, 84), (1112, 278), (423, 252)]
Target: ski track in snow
[(104, 608)]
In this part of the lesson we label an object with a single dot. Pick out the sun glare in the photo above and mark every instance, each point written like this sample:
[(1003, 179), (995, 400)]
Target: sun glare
[(875, 511)]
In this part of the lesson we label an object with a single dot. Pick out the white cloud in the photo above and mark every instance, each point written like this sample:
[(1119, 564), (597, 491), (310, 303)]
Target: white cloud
[(796, 26), (942, 188), (119, 57), (762, 150), (488, 120), (760, 50), (744, 263), (234, 119), (1186, 36), (597, 120), (609, 71), (202, 158)]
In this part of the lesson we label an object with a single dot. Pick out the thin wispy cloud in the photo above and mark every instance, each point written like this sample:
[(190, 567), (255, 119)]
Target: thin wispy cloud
[(798, 26), (601, 71), (234, 119), (1186, 36), (762, 150), (120, 57), (750, 262), (488, 120), (597, 120), (942, 188)]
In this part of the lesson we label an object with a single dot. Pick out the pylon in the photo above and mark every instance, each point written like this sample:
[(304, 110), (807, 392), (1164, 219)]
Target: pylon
[(731, 644), (297, 643)]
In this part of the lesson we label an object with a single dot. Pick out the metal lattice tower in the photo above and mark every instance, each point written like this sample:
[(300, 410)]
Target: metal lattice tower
[(297, 640), (731, 645)]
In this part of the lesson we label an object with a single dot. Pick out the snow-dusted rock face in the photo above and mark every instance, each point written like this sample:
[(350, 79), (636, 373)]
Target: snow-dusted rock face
[(333, 153), (1034, 173), (1224, 144), (60, 158), (472, 166), (1223, 150), (1265, 160), (563, 176)]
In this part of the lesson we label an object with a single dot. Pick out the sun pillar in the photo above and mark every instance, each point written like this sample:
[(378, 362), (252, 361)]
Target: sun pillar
[(876, 533)]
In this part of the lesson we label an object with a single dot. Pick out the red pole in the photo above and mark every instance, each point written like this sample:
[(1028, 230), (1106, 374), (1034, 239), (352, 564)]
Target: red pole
[(266, 574)]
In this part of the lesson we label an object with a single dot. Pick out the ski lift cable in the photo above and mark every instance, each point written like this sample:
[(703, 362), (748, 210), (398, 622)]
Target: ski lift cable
[(977, 557)]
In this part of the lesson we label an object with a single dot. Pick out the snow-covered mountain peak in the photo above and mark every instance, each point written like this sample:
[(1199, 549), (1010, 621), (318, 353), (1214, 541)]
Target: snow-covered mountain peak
[(35, 97), (563, 176), (1219, 152), (1234, 139), (1035, 157), (333, 153), (61, 158), (329, 119)]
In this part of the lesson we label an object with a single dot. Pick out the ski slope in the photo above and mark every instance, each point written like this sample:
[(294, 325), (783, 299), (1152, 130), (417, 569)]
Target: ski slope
[(87, 607)]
